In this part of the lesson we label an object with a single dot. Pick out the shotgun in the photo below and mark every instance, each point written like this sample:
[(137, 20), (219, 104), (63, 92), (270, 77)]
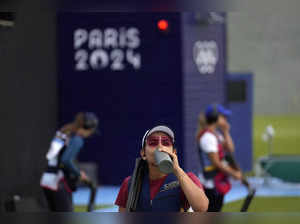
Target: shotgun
[(251, 191), (93, 190), (136, 185)]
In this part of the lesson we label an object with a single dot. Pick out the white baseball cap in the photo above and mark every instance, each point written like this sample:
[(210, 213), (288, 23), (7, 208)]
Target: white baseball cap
[(161, 128)]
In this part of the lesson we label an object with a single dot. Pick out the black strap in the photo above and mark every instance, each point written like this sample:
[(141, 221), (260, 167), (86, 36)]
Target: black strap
[(52, 169)]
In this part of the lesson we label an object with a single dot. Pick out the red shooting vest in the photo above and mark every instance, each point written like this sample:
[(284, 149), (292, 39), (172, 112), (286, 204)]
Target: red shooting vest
[(221, 181)]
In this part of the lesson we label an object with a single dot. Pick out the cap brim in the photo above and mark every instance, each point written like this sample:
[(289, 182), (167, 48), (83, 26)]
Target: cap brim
[(164, 129), (226, 112), (160, 128)]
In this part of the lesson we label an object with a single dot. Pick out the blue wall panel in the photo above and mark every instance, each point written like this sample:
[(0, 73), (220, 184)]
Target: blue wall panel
[(200, 88), (128, 101), (241, 105)]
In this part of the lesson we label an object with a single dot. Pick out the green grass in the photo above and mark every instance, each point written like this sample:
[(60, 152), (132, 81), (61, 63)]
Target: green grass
[(83, 208), (286, 141), (266, 204), (287, 134)]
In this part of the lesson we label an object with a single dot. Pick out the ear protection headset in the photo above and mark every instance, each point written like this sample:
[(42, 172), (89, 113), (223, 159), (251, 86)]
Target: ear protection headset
[(212, 116)]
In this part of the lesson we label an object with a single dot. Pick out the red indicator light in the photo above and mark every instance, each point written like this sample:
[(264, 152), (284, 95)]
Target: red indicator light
[(163, 24)]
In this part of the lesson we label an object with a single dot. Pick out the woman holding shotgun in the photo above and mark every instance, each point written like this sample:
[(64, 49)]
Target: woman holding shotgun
[(158, 191), (61, 175), (214, 140)]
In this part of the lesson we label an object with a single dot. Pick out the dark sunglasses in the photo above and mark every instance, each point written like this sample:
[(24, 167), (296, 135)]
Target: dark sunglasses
[(154, 141)]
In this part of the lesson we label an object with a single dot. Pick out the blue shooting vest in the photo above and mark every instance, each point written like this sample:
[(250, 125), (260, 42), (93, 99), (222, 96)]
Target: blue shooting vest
[(166, 200)]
